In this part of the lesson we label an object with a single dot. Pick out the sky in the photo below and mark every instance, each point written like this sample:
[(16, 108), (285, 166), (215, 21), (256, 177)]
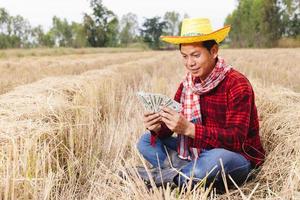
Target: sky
[(40, 12)]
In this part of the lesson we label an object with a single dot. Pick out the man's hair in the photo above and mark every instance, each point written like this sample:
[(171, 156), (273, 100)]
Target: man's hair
[(208, 44)]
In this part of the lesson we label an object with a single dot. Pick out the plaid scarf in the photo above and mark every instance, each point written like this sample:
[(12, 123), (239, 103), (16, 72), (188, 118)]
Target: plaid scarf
[(191, 106)]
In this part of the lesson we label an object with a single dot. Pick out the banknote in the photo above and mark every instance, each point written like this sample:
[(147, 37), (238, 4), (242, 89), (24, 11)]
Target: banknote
[(153, 101)]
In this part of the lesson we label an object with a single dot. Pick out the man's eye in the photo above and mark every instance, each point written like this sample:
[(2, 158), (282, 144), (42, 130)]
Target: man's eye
[(197, 55), (184, 56)]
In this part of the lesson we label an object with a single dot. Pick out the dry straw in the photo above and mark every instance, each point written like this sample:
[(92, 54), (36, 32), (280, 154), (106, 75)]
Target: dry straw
[(17, 71), (67, 137)]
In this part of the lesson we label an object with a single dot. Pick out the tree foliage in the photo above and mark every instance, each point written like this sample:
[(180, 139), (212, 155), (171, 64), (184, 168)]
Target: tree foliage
[(14, 31), (101, 27), (173, 21), (255, 23), (62, 32), (128, 29), (261, 23), (290, 11), (39, 38), (152, 29)]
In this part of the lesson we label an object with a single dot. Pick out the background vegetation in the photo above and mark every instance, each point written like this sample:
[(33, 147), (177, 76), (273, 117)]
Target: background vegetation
[(255, 23), (264, 23)]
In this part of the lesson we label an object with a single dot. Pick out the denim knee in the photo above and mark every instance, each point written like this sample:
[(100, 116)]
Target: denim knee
[(144, 142)]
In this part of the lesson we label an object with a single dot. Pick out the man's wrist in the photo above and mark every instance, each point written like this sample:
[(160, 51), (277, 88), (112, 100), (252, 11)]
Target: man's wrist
[(190, 131)]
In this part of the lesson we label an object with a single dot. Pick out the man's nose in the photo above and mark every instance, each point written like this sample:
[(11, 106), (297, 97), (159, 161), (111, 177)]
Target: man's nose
[(190, 61)]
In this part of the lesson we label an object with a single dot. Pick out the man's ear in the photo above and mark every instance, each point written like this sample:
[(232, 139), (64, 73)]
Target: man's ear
[(214, 51)]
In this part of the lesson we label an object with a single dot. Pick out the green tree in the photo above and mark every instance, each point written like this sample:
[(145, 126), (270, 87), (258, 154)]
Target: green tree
[(79, 36), (20, 31), (290, 17), (14, 30), (272, 28), (248, 22), (129, 29), (173, 20), (152, 29), (261, 23), (4, 20), (66, 34), (39, 38), (4, 38), (102, 27), (62, 32), (255, 23)]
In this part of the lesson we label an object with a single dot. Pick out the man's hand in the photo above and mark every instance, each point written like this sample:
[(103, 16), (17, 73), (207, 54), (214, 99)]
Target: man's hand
[(177, 122), (152, 121)]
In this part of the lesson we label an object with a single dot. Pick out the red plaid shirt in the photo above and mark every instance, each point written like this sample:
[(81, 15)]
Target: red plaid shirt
[(229, 119)]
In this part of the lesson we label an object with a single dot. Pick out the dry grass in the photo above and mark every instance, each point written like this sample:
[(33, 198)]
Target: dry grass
[(16, 71), (9, 53), (289, 42), (270, 66), (66, 137)]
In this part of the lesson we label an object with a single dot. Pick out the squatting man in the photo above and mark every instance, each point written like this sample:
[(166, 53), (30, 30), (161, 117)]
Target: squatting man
[(218, 121)]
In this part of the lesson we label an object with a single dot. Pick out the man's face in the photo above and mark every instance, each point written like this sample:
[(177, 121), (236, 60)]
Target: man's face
[(198, 60)]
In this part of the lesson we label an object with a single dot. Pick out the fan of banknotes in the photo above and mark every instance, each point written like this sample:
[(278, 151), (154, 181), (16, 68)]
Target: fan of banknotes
[(152, 102)]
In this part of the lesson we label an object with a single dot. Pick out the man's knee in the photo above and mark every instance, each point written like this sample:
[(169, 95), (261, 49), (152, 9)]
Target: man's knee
[(232, 163), (202, 172), (144, 142), (222, 156), (209, 165)]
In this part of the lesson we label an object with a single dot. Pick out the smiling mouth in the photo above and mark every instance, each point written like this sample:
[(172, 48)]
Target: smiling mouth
[(194, 70)]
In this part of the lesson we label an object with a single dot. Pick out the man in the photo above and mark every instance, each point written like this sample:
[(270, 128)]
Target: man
[(219, 123)]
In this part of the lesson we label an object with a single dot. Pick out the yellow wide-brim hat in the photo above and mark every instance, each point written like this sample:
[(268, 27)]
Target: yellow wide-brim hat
[(197, 30)]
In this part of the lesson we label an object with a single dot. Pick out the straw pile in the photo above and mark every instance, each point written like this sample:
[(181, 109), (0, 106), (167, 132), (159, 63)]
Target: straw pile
[(16, 71), (66, 137)]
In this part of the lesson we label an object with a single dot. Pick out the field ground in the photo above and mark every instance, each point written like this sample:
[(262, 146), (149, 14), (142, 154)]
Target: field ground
[(69, 123), (16, 71), (20, 53)]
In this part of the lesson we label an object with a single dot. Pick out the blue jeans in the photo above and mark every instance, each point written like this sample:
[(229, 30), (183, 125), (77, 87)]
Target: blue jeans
[(236, 165)]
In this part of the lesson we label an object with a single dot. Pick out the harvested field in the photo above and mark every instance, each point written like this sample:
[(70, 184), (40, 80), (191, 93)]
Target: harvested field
[(9, 53), (16, 71), (66, 136)]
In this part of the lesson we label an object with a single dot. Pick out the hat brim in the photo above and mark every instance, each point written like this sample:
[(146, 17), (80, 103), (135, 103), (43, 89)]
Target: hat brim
[(218, 35)]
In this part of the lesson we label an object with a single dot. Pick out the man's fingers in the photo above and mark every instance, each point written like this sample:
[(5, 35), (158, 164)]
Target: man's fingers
[(146, 114), (166, 121), (152, 127), (153, 122), (168, 110), (167, 115), (151, 117)]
